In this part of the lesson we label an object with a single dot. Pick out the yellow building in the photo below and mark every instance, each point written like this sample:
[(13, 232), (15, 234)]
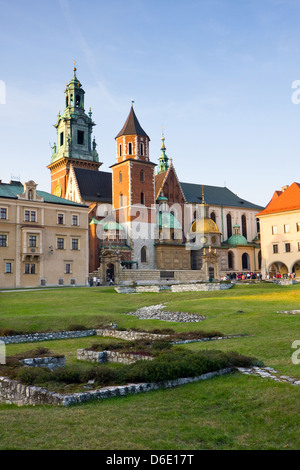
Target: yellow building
[(280, 233), (43, 238)]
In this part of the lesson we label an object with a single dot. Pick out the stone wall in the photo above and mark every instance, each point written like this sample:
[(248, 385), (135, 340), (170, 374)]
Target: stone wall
[(175, 287), (13, 392), (110, 356), (207, 286), (129, 335), (144, 276), (31, 338), (49, 362)]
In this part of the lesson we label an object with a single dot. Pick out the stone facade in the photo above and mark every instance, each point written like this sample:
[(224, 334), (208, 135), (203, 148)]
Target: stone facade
[(43, 238)]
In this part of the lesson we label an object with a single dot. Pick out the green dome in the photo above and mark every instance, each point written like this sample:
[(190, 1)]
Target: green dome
[(237, 239), (167, 220)]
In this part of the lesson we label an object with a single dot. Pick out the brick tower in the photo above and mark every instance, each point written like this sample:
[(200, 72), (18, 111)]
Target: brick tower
[(74, 139), (133, 190)]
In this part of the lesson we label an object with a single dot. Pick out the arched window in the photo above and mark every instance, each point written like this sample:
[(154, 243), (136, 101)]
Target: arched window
[(130, 148), (245, 261), (30, 194), (142, 149), (121, 200), (244, 226), (142, 176), (259, 259), (230, 260), (195, 214), (144, 254), (120, 177), (229, 225), (257, 225), (213, 216), (142, 198)]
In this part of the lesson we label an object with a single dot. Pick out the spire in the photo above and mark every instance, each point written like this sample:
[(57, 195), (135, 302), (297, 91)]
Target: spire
[(163, 159), (132, 125)]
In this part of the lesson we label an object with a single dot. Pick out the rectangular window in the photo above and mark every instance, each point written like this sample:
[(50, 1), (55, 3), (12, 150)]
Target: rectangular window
[(75, 244), (60, 243), (287, 247), (29, 268), (274, 230), (68, 268), (130, 148), (286, 228), (60, 219), (3, 213), (74, 219), (275, 248), (80, 137), (61, 138), (3, 240), (298, 226), (32, 241), (29, 216), (8, 269)]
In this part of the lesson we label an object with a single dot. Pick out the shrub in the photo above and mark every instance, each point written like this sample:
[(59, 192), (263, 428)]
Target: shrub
[(77, 328)]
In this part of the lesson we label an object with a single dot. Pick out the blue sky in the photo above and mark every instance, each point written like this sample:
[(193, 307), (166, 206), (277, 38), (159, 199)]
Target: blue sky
[(215, 74)]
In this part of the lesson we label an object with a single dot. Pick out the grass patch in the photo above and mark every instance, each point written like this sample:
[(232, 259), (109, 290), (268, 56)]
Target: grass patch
[(228, 412)]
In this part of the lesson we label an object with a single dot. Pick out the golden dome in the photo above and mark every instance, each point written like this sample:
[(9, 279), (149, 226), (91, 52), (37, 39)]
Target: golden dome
[(204, 226)]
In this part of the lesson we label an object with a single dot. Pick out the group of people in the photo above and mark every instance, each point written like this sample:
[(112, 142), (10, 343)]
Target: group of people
[(242, 276), (280, 276), (95, 281)]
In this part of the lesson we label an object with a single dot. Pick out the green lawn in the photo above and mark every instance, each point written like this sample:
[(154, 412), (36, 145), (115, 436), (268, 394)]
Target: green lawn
[(229, 412)]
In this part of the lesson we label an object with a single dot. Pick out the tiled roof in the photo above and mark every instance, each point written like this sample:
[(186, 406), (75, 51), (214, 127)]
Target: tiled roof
[(282, 201), (132, 126), (215, 196), (14, 188), (94, 185), (159, 179)]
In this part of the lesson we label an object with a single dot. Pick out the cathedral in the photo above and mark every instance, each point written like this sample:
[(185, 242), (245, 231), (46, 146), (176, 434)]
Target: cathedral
[(145, 225)]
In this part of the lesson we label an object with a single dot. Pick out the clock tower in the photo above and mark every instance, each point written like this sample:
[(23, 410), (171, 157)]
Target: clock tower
[(74, 144), (133, 190)]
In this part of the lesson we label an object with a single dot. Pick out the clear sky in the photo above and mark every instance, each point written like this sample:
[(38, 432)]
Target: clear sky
[(217, 75)]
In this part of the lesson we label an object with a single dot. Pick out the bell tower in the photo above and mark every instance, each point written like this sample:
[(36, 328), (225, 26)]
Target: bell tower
[(133, 184), (74, 144)]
